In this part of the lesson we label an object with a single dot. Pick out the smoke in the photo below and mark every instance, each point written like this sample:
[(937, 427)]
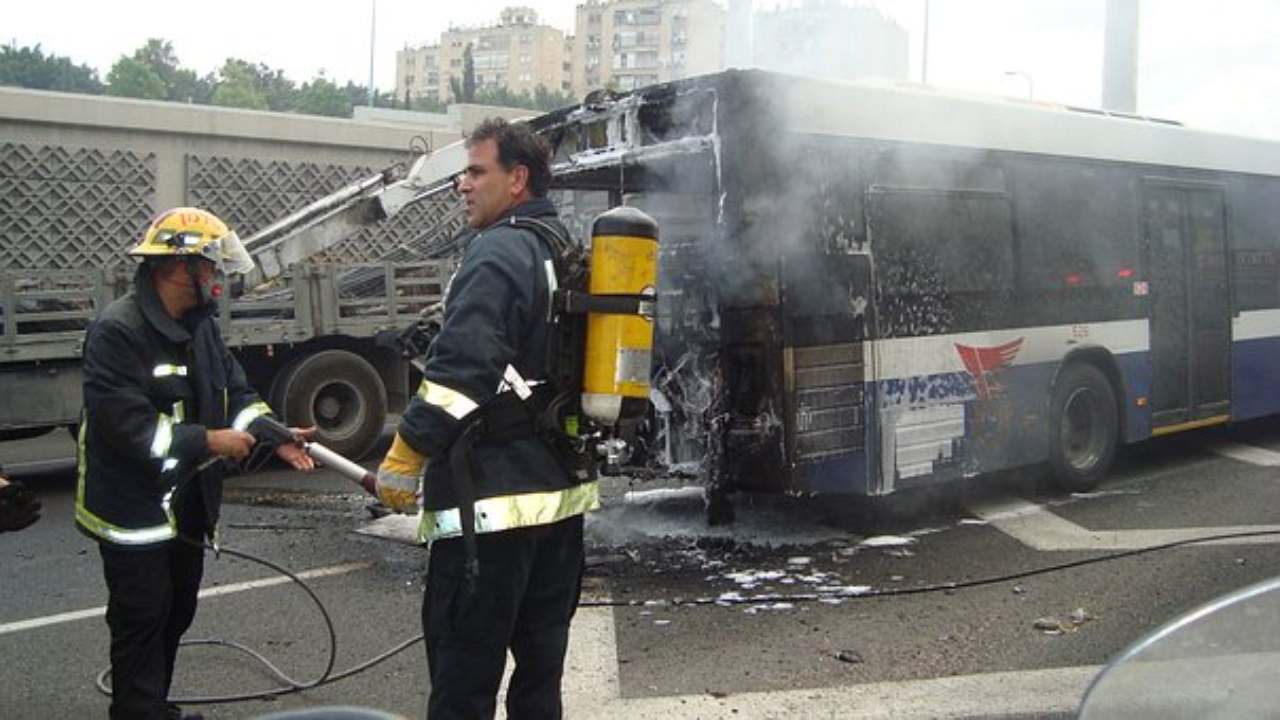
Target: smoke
[(828, 39)]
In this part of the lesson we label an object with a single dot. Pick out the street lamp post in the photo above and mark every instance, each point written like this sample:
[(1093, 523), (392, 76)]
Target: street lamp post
[(1031, 88), (924, 62), (373, 29)]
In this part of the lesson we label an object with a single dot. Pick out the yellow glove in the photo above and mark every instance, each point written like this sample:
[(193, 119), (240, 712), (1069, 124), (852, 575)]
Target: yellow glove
[(398, 477)]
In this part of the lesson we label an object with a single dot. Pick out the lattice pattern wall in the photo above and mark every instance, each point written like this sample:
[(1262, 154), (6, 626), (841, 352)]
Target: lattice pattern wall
[(66, 207), (251, 194)]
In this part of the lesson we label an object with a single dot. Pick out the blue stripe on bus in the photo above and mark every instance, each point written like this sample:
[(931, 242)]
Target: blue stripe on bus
[(1007, 429), (1255, 378)]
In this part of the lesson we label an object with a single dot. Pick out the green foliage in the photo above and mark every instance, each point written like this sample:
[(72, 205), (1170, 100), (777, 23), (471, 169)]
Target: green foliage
[(322, 97), (544, 99), (246, 85), (464, 88), (238, 86), (427, 104), (540, 99), (29, 67), (135, 79), (154, 72), (188, 87)]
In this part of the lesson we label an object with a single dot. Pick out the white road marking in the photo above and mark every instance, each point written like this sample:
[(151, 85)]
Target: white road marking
[(1246, 453), (74, 615), (1036, 527), (592, 689)]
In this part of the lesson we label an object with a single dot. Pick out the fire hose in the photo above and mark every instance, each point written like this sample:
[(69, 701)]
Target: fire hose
[(266, 428), (278, 433)]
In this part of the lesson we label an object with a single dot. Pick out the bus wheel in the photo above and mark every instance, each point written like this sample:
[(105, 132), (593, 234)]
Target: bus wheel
[(1083, 428), (341, 394)]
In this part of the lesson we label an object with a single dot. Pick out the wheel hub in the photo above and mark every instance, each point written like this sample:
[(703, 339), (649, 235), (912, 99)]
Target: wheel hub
[(338, 409), (1083, 434)]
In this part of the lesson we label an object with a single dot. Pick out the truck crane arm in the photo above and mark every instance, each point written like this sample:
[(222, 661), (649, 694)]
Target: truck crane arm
[(369, 200)]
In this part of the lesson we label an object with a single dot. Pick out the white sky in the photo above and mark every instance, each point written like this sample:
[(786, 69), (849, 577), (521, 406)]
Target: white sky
[(1211, 63)]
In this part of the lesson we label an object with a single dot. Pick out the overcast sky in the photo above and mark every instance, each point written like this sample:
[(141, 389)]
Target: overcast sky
[(1210, 63)]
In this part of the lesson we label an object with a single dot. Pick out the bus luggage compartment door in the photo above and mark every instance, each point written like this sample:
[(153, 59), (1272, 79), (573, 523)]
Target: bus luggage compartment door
[(826, 303)]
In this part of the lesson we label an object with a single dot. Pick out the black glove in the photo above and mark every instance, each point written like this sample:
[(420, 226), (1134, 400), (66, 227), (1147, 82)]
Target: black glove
[(18, 506)]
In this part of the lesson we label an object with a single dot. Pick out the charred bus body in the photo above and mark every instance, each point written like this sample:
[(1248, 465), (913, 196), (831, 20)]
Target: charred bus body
[(869, 288)]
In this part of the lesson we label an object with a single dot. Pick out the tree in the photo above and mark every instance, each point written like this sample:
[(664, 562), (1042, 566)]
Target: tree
[(132, 78), (188, 87), (29, 67), (427, 104), (238, 86), (254, 86), (322, 97), (281, 93), (356, 94), (464, 89), (544, 99), (502, 96), (158, 56)]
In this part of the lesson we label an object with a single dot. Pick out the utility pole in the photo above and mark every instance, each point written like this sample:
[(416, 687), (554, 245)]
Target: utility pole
[(1120, 57), (924, 64), (373, 26)]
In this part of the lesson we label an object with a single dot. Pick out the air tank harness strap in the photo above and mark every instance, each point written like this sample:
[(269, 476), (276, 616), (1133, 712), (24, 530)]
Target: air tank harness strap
[(464, 489), (567, 257), (505, 418)]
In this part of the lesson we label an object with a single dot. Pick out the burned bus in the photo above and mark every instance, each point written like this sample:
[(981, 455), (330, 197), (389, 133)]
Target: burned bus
[(867, 288)]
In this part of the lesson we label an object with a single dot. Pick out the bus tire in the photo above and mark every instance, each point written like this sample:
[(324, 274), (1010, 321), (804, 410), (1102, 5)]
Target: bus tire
[(1083, 428), (341, 394)]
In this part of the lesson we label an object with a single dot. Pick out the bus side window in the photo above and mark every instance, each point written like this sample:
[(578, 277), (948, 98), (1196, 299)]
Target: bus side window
[(944, 259), (1079, 231)]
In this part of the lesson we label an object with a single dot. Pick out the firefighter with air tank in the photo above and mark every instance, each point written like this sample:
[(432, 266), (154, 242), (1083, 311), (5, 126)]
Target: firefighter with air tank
[(537, 350)]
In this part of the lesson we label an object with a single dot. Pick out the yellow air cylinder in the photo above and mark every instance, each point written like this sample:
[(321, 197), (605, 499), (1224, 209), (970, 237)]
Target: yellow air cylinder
[(624, 262)]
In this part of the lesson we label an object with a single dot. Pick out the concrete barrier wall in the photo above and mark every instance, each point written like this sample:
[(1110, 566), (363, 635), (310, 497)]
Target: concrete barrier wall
[(81, 175)]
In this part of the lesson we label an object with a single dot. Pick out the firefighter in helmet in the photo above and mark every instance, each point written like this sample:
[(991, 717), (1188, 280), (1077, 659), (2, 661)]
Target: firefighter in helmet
[(163, 400)]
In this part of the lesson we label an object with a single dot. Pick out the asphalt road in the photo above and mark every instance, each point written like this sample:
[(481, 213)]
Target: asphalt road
[(803, 609)]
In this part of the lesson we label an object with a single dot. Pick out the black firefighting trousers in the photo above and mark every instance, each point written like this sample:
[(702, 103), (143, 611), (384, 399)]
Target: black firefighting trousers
[(152, 603), (524, 598)]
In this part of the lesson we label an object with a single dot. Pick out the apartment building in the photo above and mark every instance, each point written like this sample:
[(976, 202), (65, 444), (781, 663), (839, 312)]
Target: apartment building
[(632, 43), (418, 73), (517, 53)]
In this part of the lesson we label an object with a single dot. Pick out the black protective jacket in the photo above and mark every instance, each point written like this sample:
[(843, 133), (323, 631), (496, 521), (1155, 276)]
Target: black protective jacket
[(496, 316), (152, 386)]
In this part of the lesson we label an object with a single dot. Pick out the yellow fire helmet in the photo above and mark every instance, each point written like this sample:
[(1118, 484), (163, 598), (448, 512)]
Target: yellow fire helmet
[(192, 231)]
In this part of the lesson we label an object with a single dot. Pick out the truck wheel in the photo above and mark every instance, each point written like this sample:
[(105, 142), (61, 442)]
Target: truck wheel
[(341, 394), (1083, 428)]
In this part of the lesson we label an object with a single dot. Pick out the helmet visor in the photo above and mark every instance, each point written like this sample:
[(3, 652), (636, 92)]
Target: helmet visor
[(231, 256)]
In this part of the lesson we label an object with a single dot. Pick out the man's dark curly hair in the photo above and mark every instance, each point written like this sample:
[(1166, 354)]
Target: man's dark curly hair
[(518, 145)]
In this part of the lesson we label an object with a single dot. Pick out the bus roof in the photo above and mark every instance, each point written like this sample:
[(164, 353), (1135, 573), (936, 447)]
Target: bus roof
[(917, 113)]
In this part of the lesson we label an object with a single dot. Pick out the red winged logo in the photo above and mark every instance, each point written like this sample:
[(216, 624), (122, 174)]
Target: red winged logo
[(984, 361)]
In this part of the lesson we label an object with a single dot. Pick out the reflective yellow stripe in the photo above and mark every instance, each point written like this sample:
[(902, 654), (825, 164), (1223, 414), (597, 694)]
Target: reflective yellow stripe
[(163, 437), (106, 530), (1192, 425), (249, 414), (447, 399), (169, 370), (179, 411), (512, 511)]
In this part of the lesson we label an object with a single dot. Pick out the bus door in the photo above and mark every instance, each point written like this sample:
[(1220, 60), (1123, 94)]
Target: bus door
[(1190, 306)]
